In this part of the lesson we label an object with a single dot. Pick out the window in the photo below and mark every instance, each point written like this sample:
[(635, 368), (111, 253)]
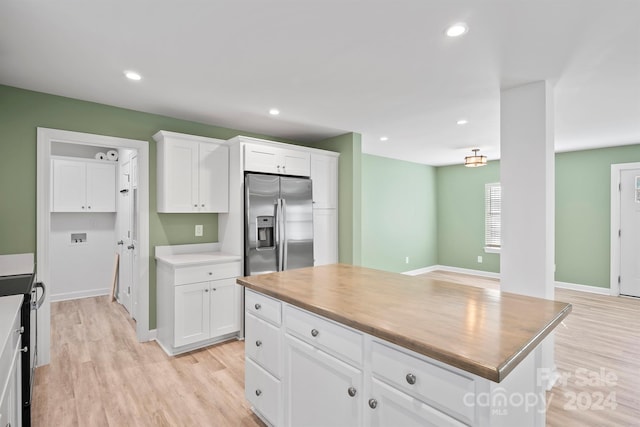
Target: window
[(492, 208)]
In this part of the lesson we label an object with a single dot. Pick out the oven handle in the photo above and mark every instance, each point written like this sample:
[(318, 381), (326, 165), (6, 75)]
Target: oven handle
[(44, 292)]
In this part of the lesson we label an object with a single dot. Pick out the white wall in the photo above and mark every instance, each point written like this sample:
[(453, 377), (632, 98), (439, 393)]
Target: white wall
[(83, 269)]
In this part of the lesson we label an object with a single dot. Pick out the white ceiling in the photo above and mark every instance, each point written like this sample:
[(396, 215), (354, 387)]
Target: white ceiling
[(379, 68)]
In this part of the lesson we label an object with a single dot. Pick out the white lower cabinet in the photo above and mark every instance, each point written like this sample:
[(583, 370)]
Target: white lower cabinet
[(320, 390), (10, 363), (264, 392), (388, 406), (198, 305)]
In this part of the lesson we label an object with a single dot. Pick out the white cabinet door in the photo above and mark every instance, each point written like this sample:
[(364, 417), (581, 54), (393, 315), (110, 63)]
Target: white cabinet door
[(225, 307), (192, 309), (294, 162), (180, 185), (319, 388), (101, 187), (324, 175), (260, 158), (262, 343), (388, 406), (11, 395), (325, 232), (213, 179), (69, 186), (264, 392)]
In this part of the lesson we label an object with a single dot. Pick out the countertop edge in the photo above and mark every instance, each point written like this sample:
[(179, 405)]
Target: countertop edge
[(223, 260), (496, 374)]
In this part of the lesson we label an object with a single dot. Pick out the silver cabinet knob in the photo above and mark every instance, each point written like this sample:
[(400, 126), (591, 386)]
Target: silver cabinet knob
[(20, 330), (24, 349), (214, 289), (206, 290), (411, 379), (258, 392), (83, 207), (210, 273), (202, 205), (258, 343), (88, 207), (314, 332), (352, 391), (195, 206), (258, 306), (373, 403)]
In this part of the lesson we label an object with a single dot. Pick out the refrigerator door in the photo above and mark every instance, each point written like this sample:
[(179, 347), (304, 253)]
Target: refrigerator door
[(297, 220), (261, 223)]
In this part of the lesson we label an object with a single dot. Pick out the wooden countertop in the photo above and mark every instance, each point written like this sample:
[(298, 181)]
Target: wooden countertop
[(485, 332)]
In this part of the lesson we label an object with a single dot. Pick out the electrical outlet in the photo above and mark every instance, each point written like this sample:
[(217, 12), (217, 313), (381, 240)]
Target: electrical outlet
[(479, 259), (199, 230), (406, 260)]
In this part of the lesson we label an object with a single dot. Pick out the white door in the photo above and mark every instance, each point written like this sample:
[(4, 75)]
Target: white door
[(630, 232), (134, 222), (320, 390), (192, 308), (125, 271)]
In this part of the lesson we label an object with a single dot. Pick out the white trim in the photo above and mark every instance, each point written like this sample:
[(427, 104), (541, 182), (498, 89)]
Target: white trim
[(481, 273), (153, 335), (491, 250), (421, 270), (614, 265), (45, 137), (80, 294), (583, 288)]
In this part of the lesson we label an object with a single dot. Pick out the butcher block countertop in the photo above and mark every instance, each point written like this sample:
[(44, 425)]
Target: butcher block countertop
[(484, 332)]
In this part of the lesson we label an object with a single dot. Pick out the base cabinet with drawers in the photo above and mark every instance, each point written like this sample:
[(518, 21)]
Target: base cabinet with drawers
[(10, 362), (197, 305), (303, 369)]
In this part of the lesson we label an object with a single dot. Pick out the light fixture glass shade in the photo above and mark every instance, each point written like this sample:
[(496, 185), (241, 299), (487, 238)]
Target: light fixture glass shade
[(475, 160)]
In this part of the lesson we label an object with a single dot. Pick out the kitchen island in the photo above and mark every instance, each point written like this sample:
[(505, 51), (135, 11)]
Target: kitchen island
[(345, 345)]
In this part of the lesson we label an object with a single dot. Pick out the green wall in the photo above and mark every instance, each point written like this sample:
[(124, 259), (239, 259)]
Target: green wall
[(398, 214), (582, 219), (460, 202), (22, 111)]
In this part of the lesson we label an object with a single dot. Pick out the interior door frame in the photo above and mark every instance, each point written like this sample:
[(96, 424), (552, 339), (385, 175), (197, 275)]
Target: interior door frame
[(45, 137), (616, 169)]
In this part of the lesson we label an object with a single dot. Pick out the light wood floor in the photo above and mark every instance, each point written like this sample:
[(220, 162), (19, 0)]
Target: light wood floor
[(101, 376)]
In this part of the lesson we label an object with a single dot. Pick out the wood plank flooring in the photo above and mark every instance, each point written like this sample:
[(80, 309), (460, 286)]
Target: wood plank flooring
[(101, 376)]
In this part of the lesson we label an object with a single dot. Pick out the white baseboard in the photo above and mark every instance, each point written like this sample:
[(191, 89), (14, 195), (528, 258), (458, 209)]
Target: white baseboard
[(152, 335), (80, 294), (583, 288), (562, 285)]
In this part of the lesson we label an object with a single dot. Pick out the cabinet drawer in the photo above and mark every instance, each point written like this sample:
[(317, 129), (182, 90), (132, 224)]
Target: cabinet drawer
[(438, 387), (262, 344), (344, 343), (264, 307), (204, 273), (7, 352), (263, 392)]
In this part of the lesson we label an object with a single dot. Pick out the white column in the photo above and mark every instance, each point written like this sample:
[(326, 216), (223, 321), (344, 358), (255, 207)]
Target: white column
[(527, 177)]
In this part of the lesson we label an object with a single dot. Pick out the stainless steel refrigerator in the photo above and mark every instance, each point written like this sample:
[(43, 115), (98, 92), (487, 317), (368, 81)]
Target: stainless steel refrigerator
[(278, 223)]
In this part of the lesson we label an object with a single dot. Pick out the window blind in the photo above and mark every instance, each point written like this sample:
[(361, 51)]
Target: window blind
[(492, 215)]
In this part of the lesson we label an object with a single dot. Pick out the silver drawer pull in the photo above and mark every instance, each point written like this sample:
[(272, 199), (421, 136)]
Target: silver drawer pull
[(314, 332), (258, 392), (352, 391), (411, 379), (373, 403), (258, 306), (258, 343)]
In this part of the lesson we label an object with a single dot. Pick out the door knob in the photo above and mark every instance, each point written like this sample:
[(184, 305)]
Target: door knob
[(120, 242), (131, 247), (352, 391), (373, 403)]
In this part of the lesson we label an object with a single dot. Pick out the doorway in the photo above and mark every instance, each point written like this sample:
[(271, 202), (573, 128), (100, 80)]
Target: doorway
[(139, 296), (625, 229)]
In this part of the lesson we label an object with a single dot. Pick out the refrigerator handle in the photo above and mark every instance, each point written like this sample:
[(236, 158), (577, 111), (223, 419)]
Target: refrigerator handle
[(277, 216), (284, 235)]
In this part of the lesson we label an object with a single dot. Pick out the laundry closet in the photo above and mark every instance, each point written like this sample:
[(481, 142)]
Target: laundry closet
[(92, 219)]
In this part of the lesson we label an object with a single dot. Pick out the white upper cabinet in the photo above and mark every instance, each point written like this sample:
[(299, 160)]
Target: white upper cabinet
[(270, 159), (81, 185), (193, 173), (324, 175)]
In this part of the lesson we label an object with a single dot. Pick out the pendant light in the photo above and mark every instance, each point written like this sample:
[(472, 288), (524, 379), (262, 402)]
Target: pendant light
[(475, 160)]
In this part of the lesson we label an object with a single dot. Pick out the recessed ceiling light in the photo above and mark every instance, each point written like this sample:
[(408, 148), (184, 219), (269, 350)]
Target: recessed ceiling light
[(462, 122), (132, 75), (457, 29), (274, 111), (384, 138)]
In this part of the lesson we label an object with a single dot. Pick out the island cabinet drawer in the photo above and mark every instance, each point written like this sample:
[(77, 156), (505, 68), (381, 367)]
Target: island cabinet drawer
[(204, 273), (438, 387), (263, 307), (263, 391), (262, 344), (344, 343), (8, 349)]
